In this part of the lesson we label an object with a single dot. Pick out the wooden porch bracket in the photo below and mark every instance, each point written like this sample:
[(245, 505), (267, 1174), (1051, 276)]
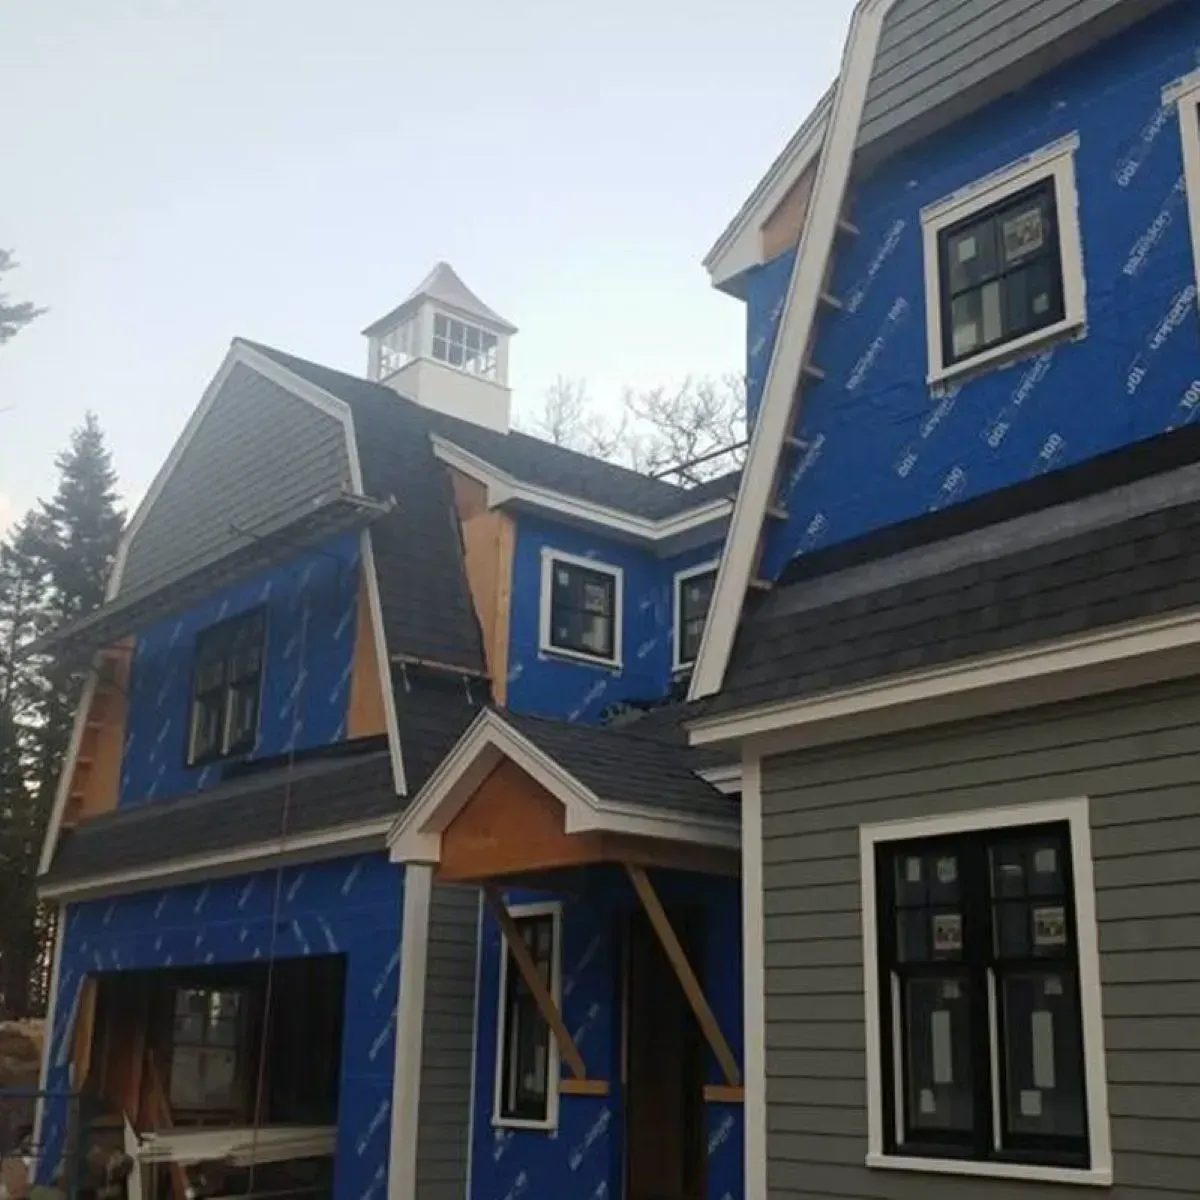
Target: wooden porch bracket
[(687, 977), (567, 1049)]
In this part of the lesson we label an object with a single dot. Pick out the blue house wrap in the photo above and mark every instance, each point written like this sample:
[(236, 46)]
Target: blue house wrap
[(879, 447), (350, 907), (585, 1156), (310, 605), (546, 684)]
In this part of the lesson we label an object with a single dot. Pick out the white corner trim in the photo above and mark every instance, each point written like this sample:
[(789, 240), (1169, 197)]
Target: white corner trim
[(410, 1024), (1161, 636), (552, 558), (309, 847), (416, 835), (1075, 813), (382, 662), (60, 936), (740, 245), (1055, 162), (754, 981), (681, 577), (503, 488), (1185, 94), (800, 309), (551, 908)]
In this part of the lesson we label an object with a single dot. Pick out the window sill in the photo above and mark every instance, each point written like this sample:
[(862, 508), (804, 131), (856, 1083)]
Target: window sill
[(1005, 355), (578, 656), (524, 1126), (991, 1170)]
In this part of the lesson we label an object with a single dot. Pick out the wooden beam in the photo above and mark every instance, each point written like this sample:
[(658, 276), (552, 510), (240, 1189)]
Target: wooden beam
[(85, 1031), (687, 977), (583, 1087), (722, 1093), (567, 1049)]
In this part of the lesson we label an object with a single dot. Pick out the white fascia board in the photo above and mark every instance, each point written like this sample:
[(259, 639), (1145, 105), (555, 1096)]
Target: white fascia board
[(1168, 645), (313, 847), (416, 834), (503, 489), (801, 305), (740, 246)]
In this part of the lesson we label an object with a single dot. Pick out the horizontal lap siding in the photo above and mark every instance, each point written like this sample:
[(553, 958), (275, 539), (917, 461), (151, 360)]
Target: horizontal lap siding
[(1138, 759), (447, 1045), (938, 52)]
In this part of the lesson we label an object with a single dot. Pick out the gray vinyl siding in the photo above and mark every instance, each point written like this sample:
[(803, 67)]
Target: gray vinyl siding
[(947, 56), (447, 1044), (259, 454), (1137, 757)]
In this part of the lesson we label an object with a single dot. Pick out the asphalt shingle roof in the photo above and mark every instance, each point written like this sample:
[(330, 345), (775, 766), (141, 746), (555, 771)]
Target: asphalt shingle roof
[(253, 809), (624, 767), (1126, 554)]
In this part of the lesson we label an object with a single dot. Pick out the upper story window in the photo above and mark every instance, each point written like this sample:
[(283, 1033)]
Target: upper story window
[(989, 1050), (581, 608), (226, 686), (399, 346), (464, 346), (693, 595), (526, 1054), (1004, 264)]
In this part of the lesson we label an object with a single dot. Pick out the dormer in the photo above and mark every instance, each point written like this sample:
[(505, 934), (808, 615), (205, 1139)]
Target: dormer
[(445, 349)]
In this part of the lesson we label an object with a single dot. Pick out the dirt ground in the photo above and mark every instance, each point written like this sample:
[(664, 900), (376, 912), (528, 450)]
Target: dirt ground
[(20, 1065)]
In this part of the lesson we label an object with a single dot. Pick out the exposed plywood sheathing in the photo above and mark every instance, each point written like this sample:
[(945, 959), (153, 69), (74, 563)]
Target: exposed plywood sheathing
[(366, 715), (677, 956), (513, 826), (546, 1003), (95, 784), (781, 230), (488, 542)]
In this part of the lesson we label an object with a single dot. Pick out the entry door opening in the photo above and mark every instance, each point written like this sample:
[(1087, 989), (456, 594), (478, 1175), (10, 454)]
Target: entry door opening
[(664, 1067)]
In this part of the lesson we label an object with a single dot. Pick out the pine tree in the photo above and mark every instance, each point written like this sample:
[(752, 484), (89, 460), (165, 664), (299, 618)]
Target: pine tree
[(53, 570)]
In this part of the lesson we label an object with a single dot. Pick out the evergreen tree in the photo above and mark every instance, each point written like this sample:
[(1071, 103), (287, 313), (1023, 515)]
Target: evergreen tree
[(54, 569)]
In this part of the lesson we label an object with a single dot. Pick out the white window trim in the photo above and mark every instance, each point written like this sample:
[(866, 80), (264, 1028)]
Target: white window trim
[(1075, 813), (546, 644), (1185, 94), (552, 908), (681, 577), (1055, 161)]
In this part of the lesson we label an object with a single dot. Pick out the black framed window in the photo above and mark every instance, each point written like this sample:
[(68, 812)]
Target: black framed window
[(980, 1003), (525, 1048), (1000, 273), (226, 688), (693, 596), (584, 609), (208, 1044)]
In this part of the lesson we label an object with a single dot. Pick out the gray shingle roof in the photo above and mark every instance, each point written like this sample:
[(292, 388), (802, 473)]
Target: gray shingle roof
[(250, 810), (623, 767), (1127, 553)]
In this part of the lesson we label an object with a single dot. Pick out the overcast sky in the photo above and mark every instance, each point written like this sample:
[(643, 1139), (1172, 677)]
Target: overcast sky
[(178, 172)]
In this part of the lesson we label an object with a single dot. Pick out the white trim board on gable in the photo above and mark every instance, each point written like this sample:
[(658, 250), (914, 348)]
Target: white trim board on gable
[(801, 306), (238, 354)]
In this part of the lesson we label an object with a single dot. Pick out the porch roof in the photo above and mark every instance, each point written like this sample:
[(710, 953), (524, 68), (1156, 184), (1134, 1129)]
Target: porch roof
[(606, 781)]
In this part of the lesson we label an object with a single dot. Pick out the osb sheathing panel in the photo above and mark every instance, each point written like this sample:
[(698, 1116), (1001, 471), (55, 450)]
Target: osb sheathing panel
[(781, 230), (95, 785), (366, 713), (488, 542)]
